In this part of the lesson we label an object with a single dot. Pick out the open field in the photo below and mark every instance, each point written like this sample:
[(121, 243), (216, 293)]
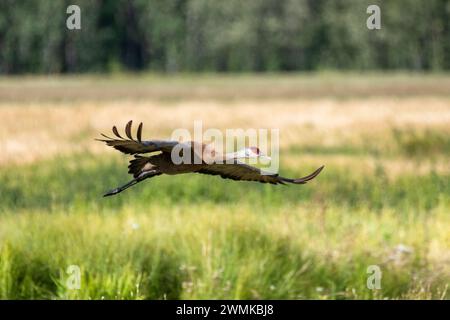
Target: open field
[(383, 198)]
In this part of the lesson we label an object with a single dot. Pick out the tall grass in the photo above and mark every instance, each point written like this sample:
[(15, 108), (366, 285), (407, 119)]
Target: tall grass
[(196, 236)]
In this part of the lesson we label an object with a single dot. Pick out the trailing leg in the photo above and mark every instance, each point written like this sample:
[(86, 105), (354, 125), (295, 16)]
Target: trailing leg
[(141, 177)]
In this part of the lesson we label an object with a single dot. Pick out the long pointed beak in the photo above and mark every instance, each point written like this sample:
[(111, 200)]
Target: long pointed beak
[(265, 157)]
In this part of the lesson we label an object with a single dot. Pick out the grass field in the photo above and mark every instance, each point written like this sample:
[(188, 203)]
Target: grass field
[(383, 198)]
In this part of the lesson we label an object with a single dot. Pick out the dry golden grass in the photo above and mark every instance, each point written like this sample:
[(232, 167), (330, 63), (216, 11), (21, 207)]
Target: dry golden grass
[(33, 131), (221, 87)]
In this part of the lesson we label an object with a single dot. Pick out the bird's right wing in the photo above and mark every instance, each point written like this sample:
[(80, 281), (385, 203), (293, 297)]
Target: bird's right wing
[(136, 146), (245, 172)]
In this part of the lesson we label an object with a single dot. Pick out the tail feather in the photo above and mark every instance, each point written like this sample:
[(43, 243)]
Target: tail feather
[(137, 165)]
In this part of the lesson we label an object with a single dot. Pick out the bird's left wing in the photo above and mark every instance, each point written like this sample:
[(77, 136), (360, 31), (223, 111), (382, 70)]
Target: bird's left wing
[(245, 172), (130, 145)]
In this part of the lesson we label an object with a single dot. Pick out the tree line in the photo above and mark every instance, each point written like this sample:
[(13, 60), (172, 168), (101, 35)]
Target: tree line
[(221, 36)]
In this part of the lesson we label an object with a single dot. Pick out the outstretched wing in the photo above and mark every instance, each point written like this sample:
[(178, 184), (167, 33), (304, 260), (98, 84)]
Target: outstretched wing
[(245, 172), (136, 146)]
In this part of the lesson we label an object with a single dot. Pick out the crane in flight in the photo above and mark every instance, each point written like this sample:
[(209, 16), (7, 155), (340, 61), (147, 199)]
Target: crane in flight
[(211, 162)]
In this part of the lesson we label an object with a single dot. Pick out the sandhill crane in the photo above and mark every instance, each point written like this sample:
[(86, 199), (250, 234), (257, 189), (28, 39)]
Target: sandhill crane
[(145, 167)]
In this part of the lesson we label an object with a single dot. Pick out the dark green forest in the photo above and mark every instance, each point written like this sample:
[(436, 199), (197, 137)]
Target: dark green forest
[(220, 36)]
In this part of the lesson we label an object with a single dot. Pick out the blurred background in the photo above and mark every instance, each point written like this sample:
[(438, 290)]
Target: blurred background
[(373, 106), (200, 35)]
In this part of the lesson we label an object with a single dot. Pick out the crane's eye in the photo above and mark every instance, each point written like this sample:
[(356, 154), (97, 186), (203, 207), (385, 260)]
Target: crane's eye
[(255, 150)]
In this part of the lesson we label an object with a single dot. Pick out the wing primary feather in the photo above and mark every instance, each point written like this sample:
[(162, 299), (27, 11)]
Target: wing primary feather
[(128, 129), (305, 179), (116, 132), (311, 176), (139, 133), (104, 135)]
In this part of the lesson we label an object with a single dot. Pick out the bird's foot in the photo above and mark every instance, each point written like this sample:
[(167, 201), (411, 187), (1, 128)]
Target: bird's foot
[(112, 192)]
